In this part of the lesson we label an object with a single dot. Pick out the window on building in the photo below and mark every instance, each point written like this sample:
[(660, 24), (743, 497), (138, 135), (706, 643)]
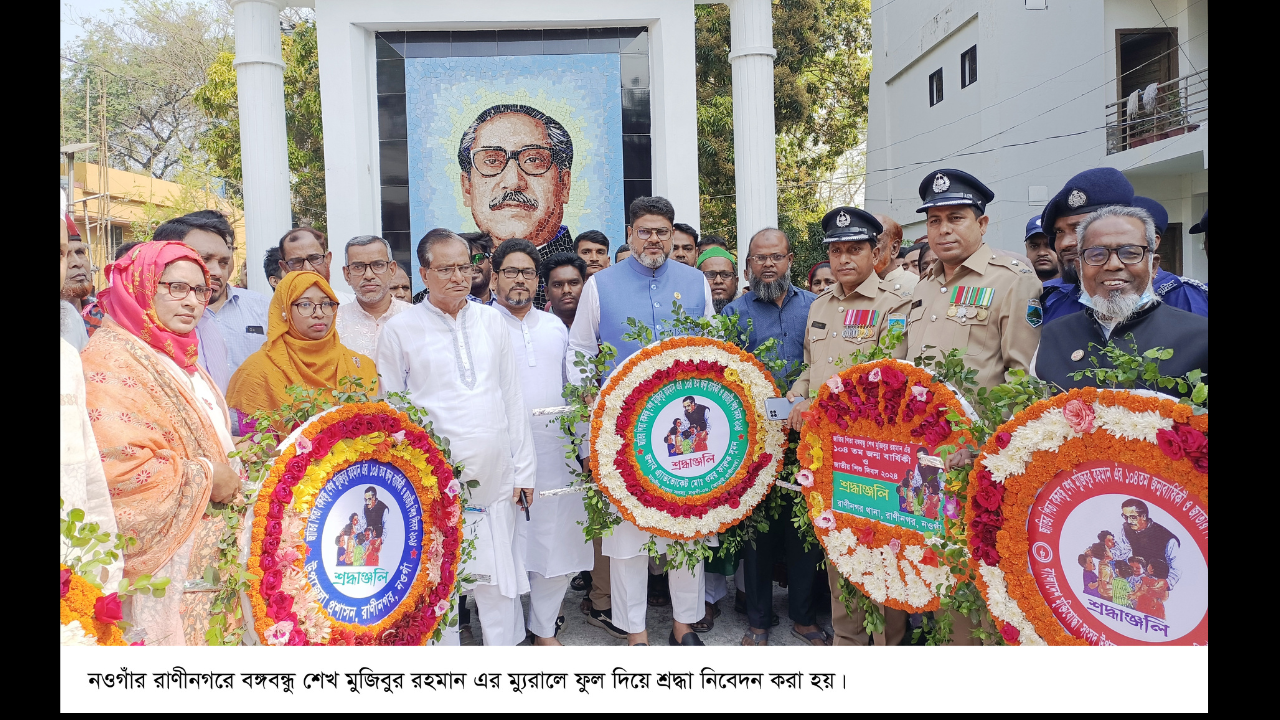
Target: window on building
[(969, 67), (117, 239), (1145, 56), (935, 87)]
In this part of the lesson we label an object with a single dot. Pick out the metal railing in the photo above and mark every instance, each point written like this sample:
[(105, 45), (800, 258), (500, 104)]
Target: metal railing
[(1177, 107)]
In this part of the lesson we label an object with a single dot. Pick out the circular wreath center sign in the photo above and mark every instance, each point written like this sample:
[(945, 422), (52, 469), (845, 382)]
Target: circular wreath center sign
[(1151, 583), (691, 436), (679, 441), (363, 537)]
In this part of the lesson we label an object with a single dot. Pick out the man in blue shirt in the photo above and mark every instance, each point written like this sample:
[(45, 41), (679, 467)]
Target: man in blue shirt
[(1183, 293), (776, 309)]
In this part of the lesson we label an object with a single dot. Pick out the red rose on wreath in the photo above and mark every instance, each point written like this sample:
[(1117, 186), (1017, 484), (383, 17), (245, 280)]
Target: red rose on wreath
[(1201, 464), (1002, 439), (989, 497), (1193, 441), (106, 609), (1009, 633), (1169, 444), (65, 582), (866, 534), (271, 580)]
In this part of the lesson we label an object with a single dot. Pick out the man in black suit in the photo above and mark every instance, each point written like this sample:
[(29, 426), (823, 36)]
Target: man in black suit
[(696, 414), (374, 510)]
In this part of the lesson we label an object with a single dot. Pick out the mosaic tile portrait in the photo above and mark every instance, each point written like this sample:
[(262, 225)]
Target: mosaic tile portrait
[(515, 146)]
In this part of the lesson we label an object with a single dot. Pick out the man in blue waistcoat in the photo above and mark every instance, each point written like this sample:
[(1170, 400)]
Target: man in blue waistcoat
[(644, 286)]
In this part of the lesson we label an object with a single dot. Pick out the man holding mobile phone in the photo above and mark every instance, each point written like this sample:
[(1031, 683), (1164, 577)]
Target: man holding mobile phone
[(777, 310)]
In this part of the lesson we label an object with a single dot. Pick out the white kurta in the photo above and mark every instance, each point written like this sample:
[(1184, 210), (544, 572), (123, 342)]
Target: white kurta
[(552, 539), (463, 373), (81, 482)]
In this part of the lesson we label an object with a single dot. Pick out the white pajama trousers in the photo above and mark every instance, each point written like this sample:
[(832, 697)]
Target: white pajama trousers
[(546, 594), (629, 585)]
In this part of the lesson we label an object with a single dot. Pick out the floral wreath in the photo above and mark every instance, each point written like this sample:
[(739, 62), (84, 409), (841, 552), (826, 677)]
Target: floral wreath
[(1161, 436), (88, 617), (892, 402), (621, 405), (286, 607)]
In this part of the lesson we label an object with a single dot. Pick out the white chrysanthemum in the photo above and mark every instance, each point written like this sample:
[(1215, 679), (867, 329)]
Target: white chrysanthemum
[(1004, 608), (1046, 432), (74, 635), (914, 553), (1129, 425), (918, 593)]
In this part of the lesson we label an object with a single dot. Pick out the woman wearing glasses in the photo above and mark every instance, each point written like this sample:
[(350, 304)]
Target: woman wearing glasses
[(302, 349), (160, 423)]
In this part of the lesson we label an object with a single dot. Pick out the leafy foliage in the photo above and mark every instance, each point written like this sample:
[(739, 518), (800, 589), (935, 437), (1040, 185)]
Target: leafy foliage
[(218, 100), (1129, 370), (89, 551), (821, 82)]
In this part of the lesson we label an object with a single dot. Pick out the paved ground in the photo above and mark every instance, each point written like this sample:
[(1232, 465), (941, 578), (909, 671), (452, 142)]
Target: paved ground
[(728, 630)]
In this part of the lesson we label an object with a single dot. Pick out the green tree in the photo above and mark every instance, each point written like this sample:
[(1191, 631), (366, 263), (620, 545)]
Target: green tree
[(145, 62), (821, 79), (303, 127)]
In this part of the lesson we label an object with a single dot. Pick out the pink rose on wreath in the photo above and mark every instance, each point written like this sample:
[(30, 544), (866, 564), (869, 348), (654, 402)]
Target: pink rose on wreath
[(826, 521), (65, 582), (835, 384), (304, 445), (442, 607), (805, 477), (453, 488), (1002, 440), (1010, 633), (398, 436), (106, 609), (920, 393), (1169, 444), (874, 375), (298, 637), (895, 545), (278, 634), (271, 580), (1192, 440), (1079, 416)]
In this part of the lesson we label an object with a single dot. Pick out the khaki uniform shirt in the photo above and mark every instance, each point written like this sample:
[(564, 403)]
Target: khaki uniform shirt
[(899, 280), (825, 341), (999, 337)]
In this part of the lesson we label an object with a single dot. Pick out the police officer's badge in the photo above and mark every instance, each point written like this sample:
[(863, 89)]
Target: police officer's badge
[(1076, 199), (1035, 314), (940, 183), (843, 219)]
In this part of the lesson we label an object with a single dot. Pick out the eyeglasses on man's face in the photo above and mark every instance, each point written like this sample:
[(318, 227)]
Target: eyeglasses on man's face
[(775, 258), (645, 233), (298, 263), (1128, 254), (444, 273), (377, 266), (512, 273), (306, 307), (532, 160), (180, 290), (713, 275)]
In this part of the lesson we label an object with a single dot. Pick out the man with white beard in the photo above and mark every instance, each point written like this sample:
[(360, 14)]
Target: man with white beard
[(549, 537), (1117, 246)]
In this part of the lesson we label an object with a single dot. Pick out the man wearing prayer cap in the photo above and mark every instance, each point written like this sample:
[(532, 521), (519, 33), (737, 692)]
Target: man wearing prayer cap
[(721, 270)]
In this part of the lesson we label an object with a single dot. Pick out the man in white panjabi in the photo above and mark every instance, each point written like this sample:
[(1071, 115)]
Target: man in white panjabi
[(81, 481), (368, 270), (454, 359), (643, 286), (551, 540)]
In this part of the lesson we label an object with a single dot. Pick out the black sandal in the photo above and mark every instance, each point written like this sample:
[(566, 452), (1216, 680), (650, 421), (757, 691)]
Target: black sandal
[(581, 581)]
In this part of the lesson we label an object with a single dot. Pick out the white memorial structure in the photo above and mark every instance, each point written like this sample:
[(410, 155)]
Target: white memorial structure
[(384, 143)]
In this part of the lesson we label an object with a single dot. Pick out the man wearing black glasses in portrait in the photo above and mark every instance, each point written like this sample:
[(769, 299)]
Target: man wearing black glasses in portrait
[(1116, 269), (517, 165)]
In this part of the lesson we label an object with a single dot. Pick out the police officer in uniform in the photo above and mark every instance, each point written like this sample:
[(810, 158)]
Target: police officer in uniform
[(1183, 293), (1116, 249), (1087, 191), (850, 316), (971, 298)]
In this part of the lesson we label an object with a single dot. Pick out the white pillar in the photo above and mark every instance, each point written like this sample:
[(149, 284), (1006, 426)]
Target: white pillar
[(754, 149), (264, 149)]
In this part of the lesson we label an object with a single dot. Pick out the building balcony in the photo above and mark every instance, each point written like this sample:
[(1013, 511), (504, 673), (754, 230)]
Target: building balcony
[(1159, 112)]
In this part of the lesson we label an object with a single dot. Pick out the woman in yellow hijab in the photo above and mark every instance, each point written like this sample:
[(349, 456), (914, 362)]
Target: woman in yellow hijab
[(302, 348)]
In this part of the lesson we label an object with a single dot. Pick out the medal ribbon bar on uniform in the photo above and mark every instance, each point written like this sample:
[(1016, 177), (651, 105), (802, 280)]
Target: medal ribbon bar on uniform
[(972, 296), (861, 318)]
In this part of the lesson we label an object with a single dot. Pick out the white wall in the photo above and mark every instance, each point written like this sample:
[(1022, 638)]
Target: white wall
[(1041, 74), (348, 87)]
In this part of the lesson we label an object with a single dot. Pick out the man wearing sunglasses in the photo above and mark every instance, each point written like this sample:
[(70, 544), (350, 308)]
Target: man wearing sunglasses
[(1116, 252), (368, 270), (517, 165)]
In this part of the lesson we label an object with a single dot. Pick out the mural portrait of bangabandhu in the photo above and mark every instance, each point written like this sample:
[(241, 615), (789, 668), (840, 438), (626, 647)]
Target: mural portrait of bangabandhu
[(516, 147)]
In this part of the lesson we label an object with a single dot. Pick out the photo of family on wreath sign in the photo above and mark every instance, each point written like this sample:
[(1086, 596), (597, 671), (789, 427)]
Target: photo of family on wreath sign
[(688, 433), (361, 539)]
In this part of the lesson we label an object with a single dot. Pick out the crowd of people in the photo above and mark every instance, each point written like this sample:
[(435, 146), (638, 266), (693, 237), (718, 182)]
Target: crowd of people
[(164, 368)]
